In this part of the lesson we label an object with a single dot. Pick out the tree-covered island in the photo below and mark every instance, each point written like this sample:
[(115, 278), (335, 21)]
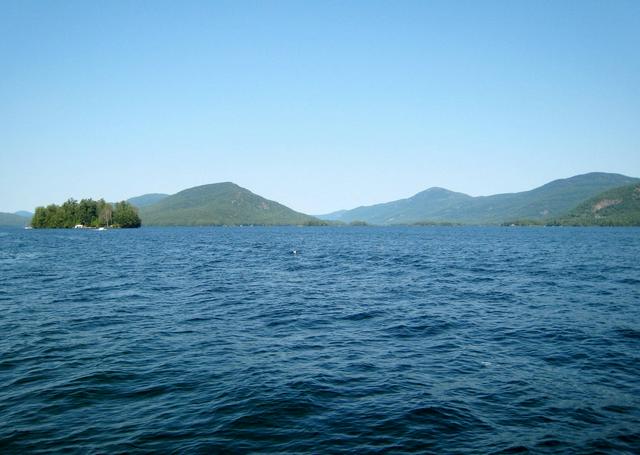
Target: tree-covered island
[(86, 213)]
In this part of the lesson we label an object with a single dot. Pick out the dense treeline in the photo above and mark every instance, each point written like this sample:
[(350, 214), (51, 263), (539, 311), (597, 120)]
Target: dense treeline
[(88, 213)]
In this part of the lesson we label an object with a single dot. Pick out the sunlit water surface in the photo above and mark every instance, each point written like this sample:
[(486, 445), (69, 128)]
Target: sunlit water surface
[(442, 340)]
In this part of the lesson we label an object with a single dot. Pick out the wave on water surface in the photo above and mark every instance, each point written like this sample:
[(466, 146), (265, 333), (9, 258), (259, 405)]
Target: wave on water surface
[(365, 340)]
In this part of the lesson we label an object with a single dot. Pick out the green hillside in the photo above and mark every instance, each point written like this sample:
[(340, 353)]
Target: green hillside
[(220, 204), (13, 220), (431, 204), (616, 207), (146, 199), (553, 200)]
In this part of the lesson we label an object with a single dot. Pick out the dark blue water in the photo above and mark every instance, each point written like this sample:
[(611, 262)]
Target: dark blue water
[(441, 340)]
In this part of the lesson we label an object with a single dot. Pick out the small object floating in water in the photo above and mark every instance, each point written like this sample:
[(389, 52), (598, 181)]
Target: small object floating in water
[(102, 229), (294, 252), (28, 227)]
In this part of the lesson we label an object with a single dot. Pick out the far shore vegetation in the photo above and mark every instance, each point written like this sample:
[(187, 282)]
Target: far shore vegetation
[(86, 213)]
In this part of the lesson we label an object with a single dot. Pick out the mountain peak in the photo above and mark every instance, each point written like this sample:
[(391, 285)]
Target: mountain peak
[(436, 191), (437, 204), (223, 203)]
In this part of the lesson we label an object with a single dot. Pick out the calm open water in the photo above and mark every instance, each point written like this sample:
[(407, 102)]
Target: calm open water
[(442, 340)]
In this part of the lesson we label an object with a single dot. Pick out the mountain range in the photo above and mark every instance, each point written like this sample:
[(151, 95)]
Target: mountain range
[(552, 200), (594, 198)]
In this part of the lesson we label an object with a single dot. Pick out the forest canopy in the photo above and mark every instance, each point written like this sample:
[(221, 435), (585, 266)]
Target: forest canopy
[(88, 213)]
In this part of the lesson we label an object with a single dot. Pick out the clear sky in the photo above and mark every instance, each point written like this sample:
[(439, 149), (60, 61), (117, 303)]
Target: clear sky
[(319, 105)]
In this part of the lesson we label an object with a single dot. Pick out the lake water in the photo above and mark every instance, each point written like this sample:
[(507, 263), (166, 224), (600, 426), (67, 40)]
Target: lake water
[(431, 340)]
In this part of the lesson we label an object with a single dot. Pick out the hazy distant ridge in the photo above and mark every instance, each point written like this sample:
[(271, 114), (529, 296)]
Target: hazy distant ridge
[(13, 220), (146, 199)]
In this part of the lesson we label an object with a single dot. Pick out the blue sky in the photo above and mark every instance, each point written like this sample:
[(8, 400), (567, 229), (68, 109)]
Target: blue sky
[(319, 105)]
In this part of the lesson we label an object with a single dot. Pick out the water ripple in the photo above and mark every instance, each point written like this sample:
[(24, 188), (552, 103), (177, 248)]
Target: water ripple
[(369, 340)]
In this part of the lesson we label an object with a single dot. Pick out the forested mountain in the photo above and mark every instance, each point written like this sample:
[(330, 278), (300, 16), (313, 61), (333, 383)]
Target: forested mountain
[(220, 204), (594, 198), (553, 200), (431, 204), (616, 207)]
